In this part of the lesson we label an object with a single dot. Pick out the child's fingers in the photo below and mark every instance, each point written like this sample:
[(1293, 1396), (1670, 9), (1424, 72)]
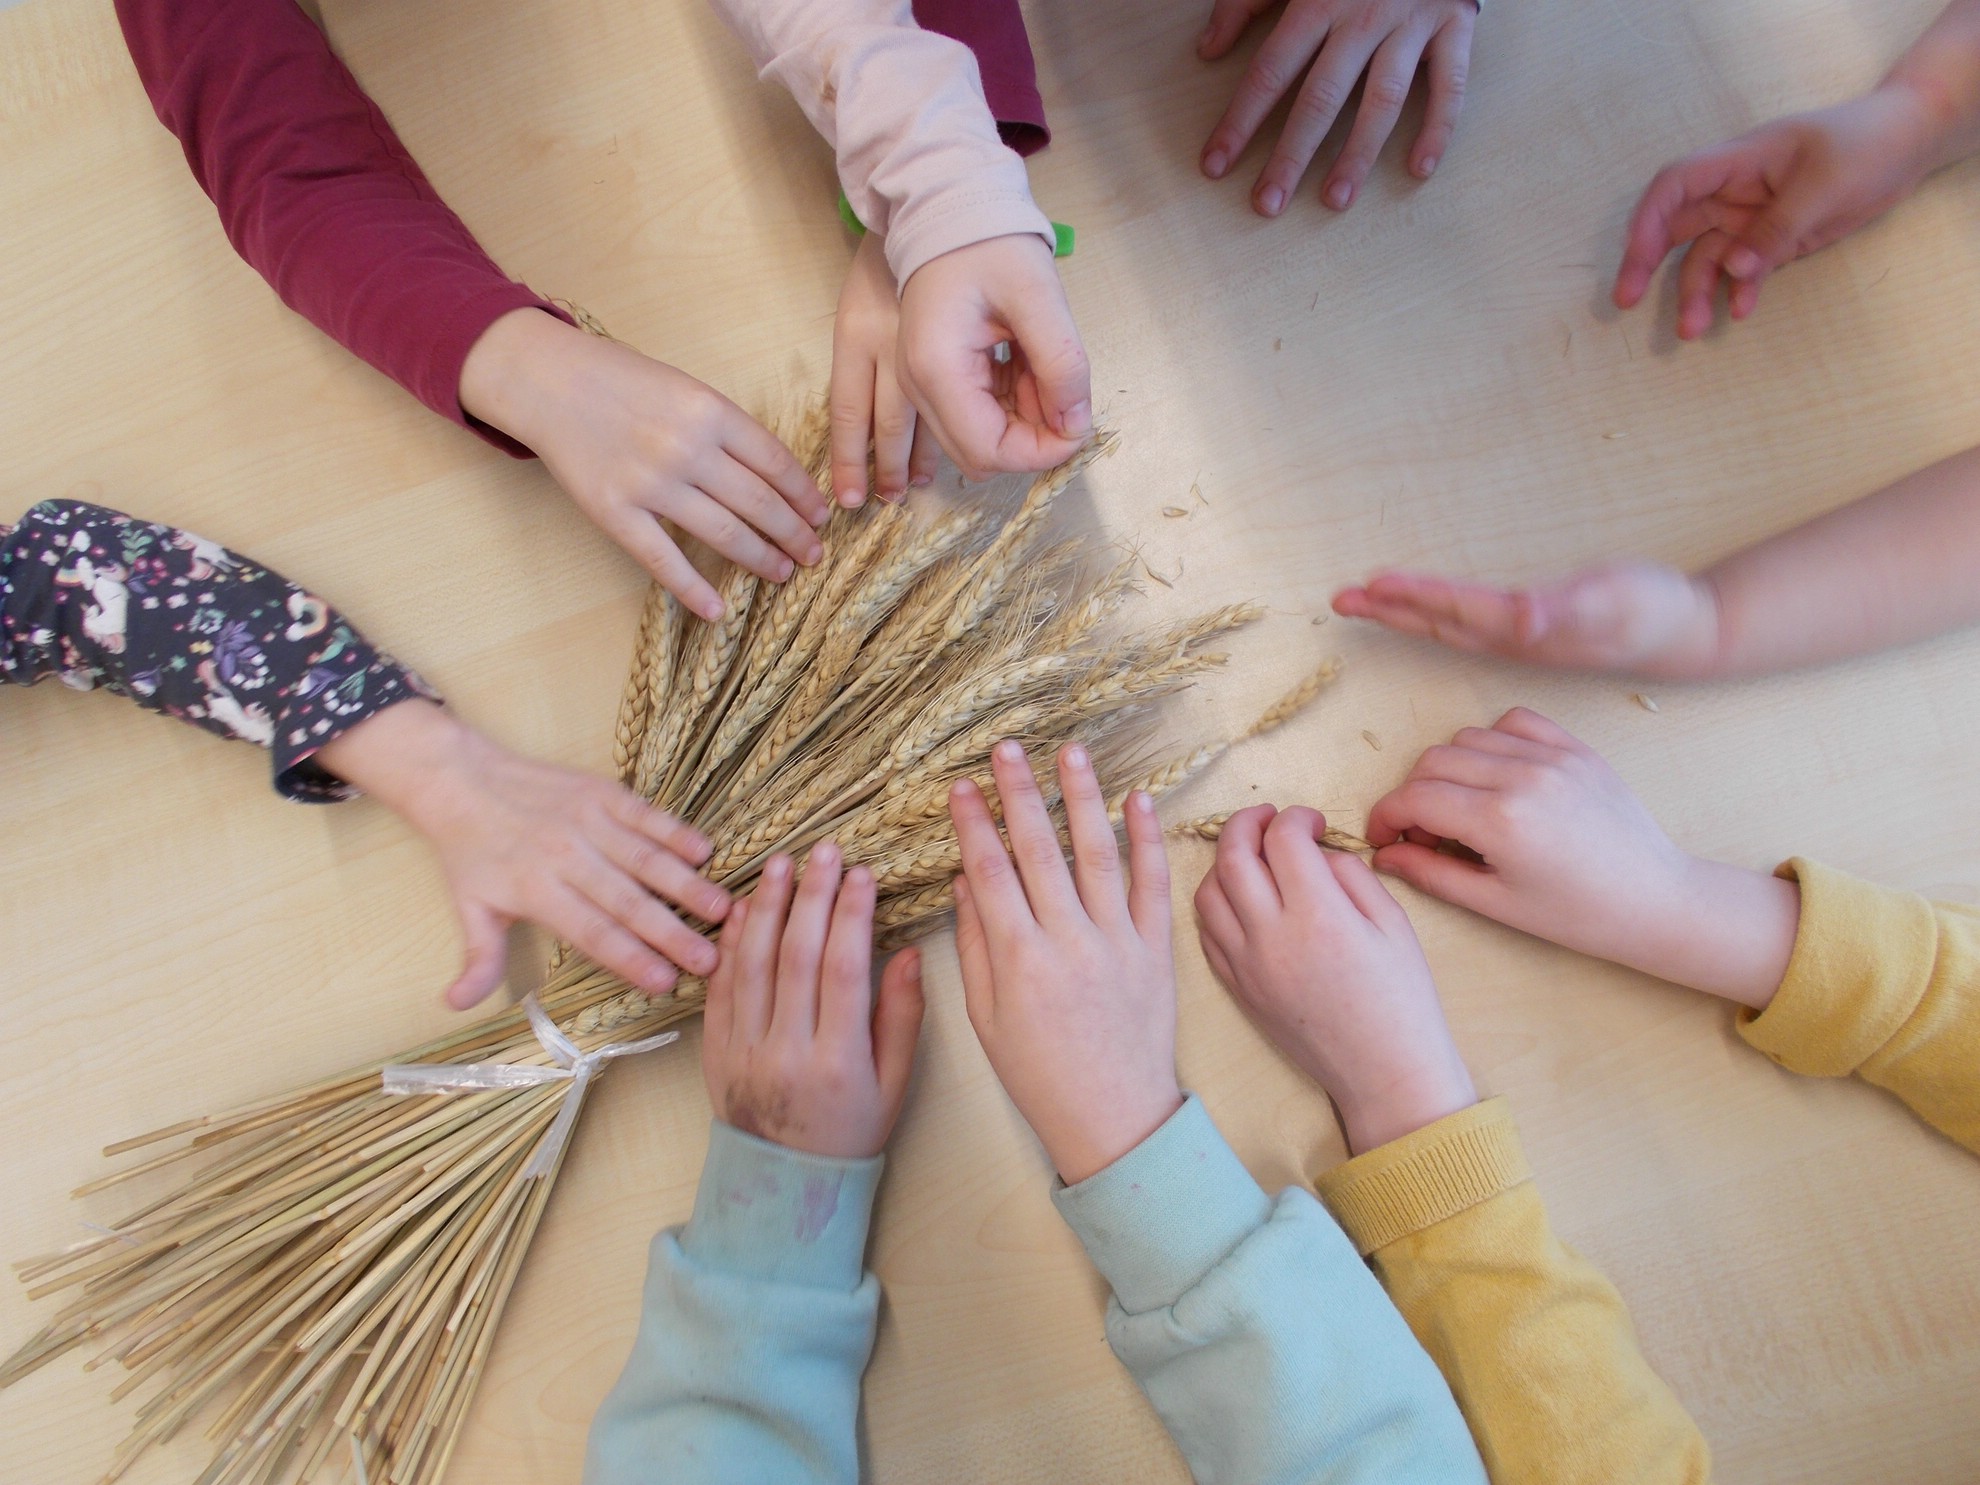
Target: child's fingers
[(1148, 870), (1228, 18), (1216, 920), (704, 513), (1220, 965), (762, 511), (760, 451), (925, 457), (993, 879), (1241, 868), (641, 534), (1383, 93), (1292, 849), (1505, 744), (1449, 61), (485, 941), (846, 986), (973, 955), (1443, 810), (1365, 890), (1475, 768), (1745, 297), (1048, 886), (893, 433), (1774, 234), (1670, 205), (850, 397), (1096, 856), (756, 951), (1461, 883), (1526, 723), (1061, 377), (897, 1025), (1321, 98), (801, 957), (718, 1012), (1276, 67), (675, 834), (1698, 283), (660, 871), (632, 907), (589, 927)]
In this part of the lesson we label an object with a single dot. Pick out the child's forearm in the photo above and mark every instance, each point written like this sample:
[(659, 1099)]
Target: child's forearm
[(1942, 69), (1896, 566)]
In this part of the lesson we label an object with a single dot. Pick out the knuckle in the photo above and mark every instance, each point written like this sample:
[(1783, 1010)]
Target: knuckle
[(1319, 100), (1387, 93)]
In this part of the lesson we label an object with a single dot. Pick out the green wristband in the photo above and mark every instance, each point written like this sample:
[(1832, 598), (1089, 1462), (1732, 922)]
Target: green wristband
[(1062, 235)]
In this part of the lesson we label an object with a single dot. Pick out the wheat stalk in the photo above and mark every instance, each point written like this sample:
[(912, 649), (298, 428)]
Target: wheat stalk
[(324, 1282)]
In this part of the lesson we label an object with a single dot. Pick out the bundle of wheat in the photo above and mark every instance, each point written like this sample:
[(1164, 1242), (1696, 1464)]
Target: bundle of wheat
[(328, 1287)]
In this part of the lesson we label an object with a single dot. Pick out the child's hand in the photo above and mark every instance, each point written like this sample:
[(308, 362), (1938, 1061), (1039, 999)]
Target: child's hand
[(1341, 40), (868, 405), (1640, 617), (795, 1048), (1569, 854), (1758, 202), (1028, 414), (1068, 974), (589, 860), (636, 443), (1313, 946)]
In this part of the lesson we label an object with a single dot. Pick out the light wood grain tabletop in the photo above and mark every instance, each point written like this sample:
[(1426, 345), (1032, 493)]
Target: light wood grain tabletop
[(1435, 379)]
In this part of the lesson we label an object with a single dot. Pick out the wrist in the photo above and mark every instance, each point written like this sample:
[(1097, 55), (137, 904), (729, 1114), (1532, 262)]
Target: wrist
[(1080, 1153), (1408, 1102), (512, 369), (1696, 649), (1934, 115), (1726, 931), (406, 757)]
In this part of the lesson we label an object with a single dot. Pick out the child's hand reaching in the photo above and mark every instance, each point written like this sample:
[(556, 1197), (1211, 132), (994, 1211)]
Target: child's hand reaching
[(1643, 618), (1068, 973), (867, 401), (795, 1047), (636, 443), (1323, 958), (1027, 414), (589, 860), (1569, 854), (1339, 41), (1787, 189)]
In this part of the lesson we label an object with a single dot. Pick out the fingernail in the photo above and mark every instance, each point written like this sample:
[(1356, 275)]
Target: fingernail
[(660, 980), (922, 479), (1009, 752), (1339, 194), (1271, 200), (824, 853), (1428, 168), (712, 610), (812, 553), (776, 866), (1077, 420), (785, 567), (959, 788), (1076, 755), (1143, 801), (1215, 164), (1742, 262)]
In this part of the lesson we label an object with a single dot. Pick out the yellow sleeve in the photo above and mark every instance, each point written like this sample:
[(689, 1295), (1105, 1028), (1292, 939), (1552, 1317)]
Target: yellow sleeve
[(1535, 1343), (1885, 985)]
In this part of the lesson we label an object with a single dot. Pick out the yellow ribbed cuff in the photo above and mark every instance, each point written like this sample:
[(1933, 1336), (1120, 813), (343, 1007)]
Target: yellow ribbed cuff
[(1419, 1180)]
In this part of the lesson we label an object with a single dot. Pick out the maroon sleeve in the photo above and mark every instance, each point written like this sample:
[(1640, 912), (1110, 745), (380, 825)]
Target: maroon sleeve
[(994, 30), (316, 192)]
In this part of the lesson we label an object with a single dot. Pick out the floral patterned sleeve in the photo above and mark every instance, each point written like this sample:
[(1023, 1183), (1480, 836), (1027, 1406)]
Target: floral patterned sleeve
[(183, 626)]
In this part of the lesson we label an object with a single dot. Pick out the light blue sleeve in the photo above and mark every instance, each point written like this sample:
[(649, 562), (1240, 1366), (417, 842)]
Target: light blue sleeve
[(1263, 1340), (758, 1322)]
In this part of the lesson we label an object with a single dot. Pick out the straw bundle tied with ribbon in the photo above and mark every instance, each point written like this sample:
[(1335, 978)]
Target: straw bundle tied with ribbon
[(324, 1291)]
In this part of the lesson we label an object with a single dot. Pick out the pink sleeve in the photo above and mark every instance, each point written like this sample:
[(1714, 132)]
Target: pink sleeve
[(918, 153), (994, 32), (316, 192)]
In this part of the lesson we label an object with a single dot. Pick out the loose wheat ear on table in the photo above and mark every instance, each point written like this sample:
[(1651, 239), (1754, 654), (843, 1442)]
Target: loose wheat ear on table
[(324, 1292)]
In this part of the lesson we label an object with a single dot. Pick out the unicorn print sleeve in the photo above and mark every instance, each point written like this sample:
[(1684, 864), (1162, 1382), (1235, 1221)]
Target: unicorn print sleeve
[(183, 626)]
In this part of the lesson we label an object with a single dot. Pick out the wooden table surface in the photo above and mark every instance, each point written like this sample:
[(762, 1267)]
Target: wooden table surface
[(1435, 379)]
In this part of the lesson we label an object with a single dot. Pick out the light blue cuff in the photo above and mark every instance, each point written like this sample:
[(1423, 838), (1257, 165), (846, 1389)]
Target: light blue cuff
[(765, 1211), (1167, 1212)]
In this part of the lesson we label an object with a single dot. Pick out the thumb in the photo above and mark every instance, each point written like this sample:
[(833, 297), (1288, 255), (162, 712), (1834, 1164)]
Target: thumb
[(897, 1023), (486, 933), (1776, 233), (1454, 881), (1042, 323)]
